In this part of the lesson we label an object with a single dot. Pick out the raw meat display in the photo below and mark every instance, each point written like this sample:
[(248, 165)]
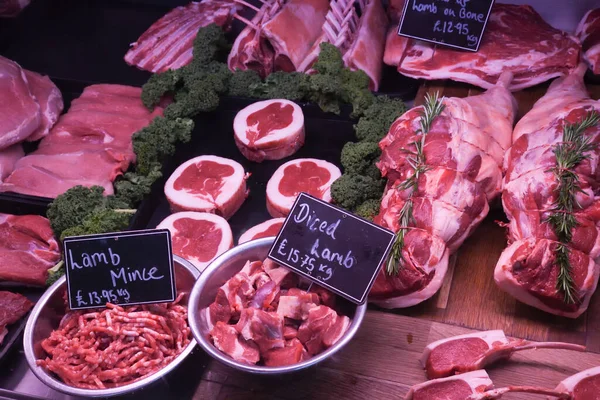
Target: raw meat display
[(13, 307), (30, 102), (545, 265), (132, 342), (265, 229), (49, 99), (584, 385), (27, 249), (8, 159), (168, 43), (208, 184), (307, 175), (267, 44), (198, 237), (473, 351), (261, 316), (516, 39), (358, 30), (10, 8), (588, 32), (462, 153), (269, 130), (90, 145), (475, 385)]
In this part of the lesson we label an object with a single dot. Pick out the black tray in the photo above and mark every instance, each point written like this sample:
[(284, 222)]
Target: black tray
[(213, 135)]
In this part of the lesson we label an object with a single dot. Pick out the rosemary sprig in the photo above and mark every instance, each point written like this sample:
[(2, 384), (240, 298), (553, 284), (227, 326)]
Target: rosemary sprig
[(416, 159), (569, 153)]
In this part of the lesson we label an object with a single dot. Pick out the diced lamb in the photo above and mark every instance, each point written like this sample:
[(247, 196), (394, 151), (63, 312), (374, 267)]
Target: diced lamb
[(226, 338)]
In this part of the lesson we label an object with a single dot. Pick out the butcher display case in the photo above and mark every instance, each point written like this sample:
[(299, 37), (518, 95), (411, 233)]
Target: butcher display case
[(485, 173)]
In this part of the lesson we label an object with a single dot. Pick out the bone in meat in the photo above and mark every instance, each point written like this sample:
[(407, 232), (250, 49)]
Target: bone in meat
[(473, 351)]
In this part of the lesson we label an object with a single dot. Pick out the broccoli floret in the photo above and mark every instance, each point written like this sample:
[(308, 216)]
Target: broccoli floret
[(158, 85), (133, 187), (369, 209), (101, 221), (76, 204), (55, 273), (349, 191), (282, 85), (157, 141), (359, 158), (378, 118), (330, 60), (356, 91), (210, 41), (241, 82)]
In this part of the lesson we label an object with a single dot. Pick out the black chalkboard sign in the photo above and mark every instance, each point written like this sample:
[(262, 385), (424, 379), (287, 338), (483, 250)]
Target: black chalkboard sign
[(332, 247), (133, 267), (454, 23)]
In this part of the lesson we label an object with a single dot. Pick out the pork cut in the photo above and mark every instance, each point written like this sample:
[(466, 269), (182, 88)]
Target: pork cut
[(19, 111), (8, 159), (473, 351), (463, 152), (269, 130), (13, 307), (584, 385), (27, 249), (168, 43), (588, 32), (266, 229), (207, 184), (537, 53), (267, 44), (307, 175), (198, 237), (358, 32), (475, 385), (528, 267), (50, 101), (89, 145)]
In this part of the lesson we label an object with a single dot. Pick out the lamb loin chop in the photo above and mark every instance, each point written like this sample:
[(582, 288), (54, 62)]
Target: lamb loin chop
[(475, 385), (473, 351), (584, 385)]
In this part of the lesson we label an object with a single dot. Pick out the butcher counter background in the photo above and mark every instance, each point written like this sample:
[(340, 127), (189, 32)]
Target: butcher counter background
[(382, 361)]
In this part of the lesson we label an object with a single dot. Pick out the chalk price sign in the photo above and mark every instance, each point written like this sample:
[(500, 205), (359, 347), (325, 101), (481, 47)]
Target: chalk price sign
[(123, 268), (454, 23), (332, 247)]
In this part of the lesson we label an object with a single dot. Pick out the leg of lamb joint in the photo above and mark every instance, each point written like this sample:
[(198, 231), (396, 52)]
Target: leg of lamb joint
[(307, 175), (207, 184), (198, 237), (269, 130), (473, 351)]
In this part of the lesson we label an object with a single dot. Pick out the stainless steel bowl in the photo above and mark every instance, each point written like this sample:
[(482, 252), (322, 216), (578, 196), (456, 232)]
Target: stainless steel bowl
[(47, 314), (219, 272)]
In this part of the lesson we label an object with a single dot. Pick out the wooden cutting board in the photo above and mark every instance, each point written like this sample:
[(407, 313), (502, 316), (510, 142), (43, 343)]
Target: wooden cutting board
[(382, 362)]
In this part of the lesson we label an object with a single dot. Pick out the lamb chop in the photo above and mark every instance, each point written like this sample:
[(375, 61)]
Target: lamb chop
[(477, 350), (584, 385), (267, 44), (443, 165), (359, 33), (475, 385), (550, 198)]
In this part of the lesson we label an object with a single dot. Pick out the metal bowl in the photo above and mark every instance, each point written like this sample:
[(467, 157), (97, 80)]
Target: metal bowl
[(219, 272), (49, 310)]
